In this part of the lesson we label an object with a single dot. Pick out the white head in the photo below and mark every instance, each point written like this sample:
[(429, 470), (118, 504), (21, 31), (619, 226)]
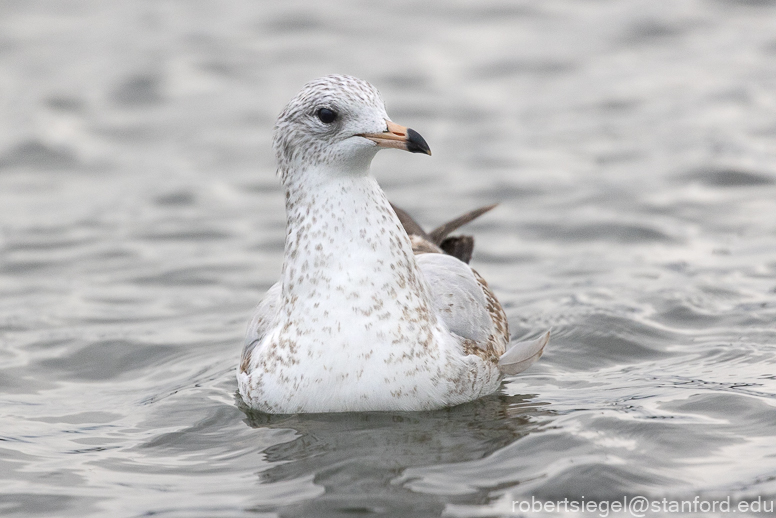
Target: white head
[(337, 122)]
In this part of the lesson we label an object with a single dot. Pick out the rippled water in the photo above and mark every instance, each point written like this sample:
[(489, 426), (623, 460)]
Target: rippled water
[(632, 146)]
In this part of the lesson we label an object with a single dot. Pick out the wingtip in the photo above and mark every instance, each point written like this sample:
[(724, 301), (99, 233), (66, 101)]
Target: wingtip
[(441, 232)]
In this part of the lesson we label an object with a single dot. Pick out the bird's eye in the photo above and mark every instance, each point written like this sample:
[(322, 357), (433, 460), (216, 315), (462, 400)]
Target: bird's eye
[(326, 115)]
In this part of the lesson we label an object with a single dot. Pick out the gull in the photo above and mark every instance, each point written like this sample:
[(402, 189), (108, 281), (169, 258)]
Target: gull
[(371, 313)]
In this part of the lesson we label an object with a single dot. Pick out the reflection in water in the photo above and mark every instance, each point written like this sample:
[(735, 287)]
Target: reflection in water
[(359, 458)]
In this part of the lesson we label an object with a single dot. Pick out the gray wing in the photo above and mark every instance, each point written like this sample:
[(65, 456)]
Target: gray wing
[(465, 304), (264, 319), (463, 299)]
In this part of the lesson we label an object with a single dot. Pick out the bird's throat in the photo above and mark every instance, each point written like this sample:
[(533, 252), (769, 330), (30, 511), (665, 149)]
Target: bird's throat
[(343, 242)]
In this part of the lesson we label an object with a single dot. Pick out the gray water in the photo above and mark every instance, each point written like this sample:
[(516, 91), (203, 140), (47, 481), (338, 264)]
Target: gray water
[(632, 148)]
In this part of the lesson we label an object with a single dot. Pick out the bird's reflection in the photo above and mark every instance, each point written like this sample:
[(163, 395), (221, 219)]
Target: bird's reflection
[(358, 458)]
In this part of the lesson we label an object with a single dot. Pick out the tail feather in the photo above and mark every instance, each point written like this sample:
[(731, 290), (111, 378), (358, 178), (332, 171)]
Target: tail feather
[(522, 355)]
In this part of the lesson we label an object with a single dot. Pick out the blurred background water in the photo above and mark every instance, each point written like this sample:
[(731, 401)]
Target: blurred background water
[(630, 144)]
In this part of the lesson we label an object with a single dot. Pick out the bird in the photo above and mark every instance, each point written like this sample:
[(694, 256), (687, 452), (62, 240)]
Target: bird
[(370, 313)]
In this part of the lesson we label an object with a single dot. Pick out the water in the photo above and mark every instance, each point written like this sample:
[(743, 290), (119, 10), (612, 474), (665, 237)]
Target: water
[(630, 144)]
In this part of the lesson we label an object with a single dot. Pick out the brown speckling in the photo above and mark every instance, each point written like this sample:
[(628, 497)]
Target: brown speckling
[(353, 323)]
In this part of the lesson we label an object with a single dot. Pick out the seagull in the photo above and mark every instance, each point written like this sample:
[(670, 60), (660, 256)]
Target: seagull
[(371, 313)]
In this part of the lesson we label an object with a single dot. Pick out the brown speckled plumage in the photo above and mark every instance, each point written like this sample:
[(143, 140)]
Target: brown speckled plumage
[(365, 316)]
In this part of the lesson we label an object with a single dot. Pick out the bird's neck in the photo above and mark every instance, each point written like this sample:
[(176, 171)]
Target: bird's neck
[(344, 243)]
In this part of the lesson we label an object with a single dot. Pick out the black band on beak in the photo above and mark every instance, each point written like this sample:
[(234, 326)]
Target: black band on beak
[(416, 143)]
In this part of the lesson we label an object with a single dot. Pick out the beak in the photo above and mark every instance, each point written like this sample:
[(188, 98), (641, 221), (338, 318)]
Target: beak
[(399, 137)]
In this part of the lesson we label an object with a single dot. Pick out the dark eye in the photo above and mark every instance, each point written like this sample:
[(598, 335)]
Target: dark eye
[(326, 115)]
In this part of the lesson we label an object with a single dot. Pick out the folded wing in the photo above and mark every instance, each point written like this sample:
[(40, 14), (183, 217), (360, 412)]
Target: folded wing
[(465, 304), (264, 319)]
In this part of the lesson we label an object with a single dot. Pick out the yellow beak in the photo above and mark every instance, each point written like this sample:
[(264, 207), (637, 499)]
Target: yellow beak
[(399, 137)]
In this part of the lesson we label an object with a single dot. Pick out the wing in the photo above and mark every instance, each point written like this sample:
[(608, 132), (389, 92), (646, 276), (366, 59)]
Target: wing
[(439, 234), (464, 302), (437, 240), (463, 299), (264, 319)]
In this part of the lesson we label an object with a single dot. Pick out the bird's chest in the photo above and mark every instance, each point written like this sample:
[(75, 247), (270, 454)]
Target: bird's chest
[(355, 318)]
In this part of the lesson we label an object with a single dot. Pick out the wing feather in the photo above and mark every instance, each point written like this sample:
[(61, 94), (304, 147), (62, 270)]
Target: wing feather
[(465, 304), (264, 319)]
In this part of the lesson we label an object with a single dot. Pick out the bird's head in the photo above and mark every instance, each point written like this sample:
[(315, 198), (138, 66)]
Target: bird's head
[(338, 123)]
